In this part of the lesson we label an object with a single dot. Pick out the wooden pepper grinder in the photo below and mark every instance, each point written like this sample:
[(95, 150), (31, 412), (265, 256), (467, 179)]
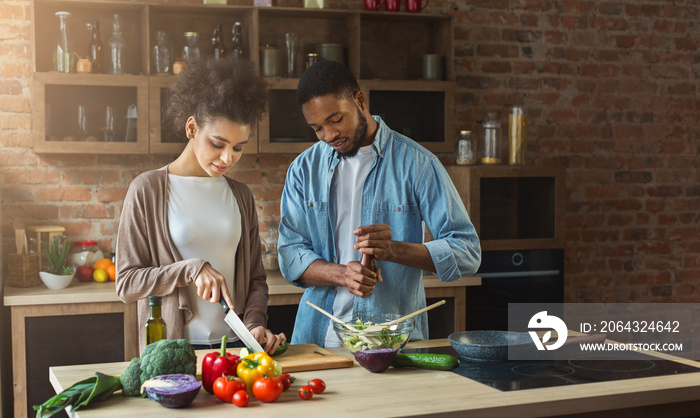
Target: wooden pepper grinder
[(367, 260)]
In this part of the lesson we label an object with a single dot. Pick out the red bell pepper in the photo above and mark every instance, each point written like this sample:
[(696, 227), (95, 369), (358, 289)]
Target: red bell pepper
[(215, 365)]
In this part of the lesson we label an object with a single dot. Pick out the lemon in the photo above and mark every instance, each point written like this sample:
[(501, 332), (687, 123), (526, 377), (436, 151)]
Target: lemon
[(100, 275)]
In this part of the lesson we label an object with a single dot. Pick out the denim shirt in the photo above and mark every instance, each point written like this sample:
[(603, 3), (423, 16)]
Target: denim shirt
[(406, 186)]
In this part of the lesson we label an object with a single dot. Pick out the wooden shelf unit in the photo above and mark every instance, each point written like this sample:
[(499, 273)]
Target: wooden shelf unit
[(383, 50), (514, 207)]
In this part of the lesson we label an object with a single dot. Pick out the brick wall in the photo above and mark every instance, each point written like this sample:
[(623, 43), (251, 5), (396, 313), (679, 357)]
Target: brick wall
[(611, 89)]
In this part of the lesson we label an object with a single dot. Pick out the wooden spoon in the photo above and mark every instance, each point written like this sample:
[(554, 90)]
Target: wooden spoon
[(379, 327), (331, 316)]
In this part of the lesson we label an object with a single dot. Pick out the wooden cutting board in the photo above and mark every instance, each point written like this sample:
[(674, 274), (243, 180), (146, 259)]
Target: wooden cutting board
[(297, 358)]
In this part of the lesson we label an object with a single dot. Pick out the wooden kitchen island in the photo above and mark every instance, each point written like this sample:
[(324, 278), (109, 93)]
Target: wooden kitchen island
[(411, 392), (94, 298)]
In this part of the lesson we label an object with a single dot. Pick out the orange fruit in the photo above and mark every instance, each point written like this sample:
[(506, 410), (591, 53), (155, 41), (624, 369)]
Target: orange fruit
[(112, 272), (100, 275), (102, 264)]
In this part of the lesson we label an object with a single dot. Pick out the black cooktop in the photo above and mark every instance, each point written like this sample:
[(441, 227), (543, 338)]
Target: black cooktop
[(584, 368)]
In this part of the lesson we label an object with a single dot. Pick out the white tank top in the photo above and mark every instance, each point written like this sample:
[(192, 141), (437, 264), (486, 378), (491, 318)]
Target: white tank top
[(205, 222)]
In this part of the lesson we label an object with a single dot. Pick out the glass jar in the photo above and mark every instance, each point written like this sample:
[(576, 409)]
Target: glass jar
[(191, 50), (492, 153), (63, 59), (466, 148), (117, 49), (517, 129), (85, 252), (162, 54)]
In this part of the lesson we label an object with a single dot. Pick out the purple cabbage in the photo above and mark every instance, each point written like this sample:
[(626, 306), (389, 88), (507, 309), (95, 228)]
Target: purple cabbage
[(172, 390)]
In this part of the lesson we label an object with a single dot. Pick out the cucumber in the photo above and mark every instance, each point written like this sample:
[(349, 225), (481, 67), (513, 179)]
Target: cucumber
[(281, 349), (426, 361)]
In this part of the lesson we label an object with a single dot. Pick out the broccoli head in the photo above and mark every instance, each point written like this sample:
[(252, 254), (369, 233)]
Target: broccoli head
[(168, 357), (131, 378), (158, 358)]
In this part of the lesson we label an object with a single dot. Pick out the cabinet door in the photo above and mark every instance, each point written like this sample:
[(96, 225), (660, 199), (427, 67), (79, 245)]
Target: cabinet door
[(421, 110), (55, 119)]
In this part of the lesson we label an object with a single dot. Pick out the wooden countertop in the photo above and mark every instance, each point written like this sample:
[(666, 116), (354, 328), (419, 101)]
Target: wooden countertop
[(409, 392), (85, 292)]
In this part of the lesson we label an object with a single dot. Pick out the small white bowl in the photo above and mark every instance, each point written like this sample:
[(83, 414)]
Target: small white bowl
[(55, 281)]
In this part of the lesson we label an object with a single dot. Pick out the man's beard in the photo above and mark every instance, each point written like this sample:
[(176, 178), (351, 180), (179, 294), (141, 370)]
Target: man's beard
[(359, 136)]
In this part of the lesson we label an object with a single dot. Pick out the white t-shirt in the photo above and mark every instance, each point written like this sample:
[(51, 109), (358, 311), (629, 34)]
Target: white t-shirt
[(205, 222), (348, 181)]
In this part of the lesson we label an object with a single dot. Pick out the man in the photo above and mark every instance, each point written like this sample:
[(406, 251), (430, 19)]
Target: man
[(364, 188)]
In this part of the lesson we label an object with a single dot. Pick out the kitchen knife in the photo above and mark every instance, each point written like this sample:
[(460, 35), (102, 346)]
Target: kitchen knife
[(239, 328)]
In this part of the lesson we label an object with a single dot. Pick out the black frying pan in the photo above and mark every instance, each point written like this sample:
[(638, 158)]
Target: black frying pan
[(493, 345)]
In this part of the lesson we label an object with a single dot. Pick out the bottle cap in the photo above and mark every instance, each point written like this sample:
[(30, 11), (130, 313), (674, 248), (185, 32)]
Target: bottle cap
[(154, 300)]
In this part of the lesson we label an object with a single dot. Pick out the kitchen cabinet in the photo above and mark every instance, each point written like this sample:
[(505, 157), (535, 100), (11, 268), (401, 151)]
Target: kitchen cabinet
[(57, 96), (383, 50), (513, 207)]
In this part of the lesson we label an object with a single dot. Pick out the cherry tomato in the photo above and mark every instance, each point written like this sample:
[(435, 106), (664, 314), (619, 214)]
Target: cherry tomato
[(241, 398), (225, 386), (267, 389), (305, 393), (287, 380), (317, 386)]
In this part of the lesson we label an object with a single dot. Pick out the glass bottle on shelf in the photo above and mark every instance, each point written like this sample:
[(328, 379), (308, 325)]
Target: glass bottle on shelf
[(237, 49), (162, 54), (117, 49), (191, 52), (155, 326), (95, 48), (466, 148), (492, 140), (217, 43), (63, 55)]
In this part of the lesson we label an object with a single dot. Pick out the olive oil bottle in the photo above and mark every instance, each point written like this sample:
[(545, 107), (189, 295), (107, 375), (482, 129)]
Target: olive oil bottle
[(155, 327)]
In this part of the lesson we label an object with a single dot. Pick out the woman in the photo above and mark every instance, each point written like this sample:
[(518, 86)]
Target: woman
[(189, 233)]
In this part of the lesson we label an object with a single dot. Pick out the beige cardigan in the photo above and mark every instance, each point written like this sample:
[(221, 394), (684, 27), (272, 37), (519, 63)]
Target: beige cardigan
[(148, 263)]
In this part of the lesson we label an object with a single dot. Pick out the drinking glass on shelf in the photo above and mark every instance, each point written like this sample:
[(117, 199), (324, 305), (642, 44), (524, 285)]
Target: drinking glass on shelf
[(82, 123), (290, 44), (108, 130)]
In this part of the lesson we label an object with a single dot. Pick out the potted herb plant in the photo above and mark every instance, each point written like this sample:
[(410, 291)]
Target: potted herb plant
[(56, 273)]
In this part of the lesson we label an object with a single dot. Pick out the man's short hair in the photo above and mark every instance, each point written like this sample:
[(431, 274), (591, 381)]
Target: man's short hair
[(326, 77)]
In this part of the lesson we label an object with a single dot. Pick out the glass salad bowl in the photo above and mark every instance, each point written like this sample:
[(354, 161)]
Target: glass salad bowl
[(362, 333)]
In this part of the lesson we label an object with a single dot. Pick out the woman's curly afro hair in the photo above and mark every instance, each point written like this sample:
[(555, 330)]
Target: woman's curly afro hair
[(229, 88)]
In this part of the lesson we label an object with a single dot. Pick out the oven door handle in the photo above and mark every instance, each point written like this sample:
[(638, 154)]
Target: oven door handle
[(518, 274)]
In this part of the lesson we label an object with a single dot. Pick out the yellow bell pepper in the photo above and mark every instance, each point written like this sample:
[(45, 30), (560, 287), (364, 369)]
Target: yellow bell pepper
[(255, 366)]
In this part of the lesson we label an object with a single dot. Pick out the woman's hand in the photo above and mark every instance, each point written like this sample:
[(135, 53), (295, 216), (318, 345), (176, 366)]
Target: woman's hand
[(211, 285), (273, 341)]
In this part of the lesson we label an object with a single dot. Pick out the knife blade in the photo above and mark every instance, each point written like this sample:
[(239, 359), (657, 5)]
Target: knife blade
[(239, 327)]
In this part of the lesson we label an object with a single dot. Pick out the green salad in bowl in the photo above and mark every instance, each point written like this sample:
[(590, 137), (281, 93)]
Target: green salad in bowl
[(362, 333)]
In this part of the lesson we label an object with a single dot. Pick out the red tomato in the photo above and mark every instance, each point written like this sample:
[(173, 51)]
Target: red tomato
[(225, 386), (267, 389), (305, 393), (317, 386), (287, 380), (241, 398)]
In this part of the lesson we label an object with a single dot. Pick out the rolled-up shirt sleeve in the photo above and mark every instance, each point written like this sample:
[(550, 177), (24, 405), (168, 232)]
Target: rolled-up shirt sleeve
[(455, 251)]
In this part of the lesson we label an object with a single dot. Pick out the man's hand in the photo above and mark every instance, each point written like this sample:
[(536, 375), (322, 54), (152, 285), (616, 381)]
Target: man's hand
[(360, 280), (211, 285), (375, 240)]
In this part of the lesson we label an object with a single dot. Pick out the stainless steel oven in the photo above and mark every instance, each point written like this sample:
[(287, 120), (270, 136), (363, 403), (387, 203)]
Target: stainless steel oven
[(527, 276)]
